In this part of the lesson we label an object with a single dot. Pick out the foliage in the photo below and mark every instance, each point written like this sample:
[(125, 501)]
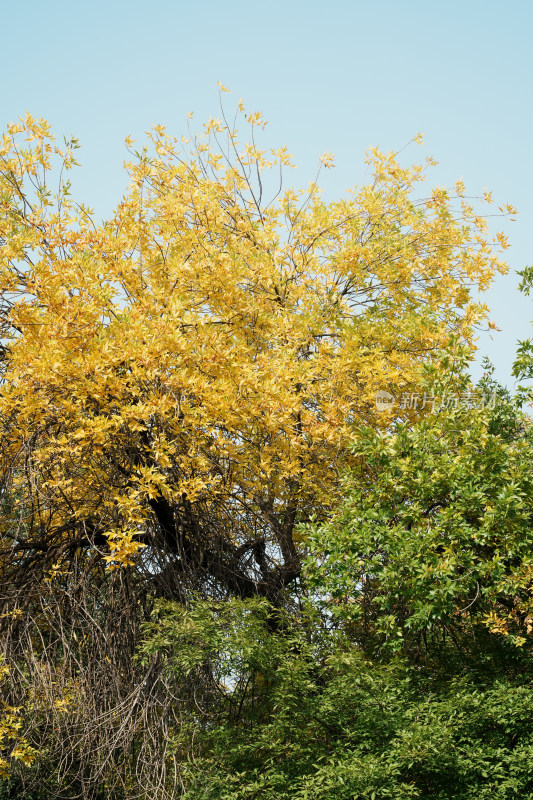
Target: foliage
[(180, 382), (13, 745), (435, 543), (523, 365), (299, 713), (179, 391), (13, 789)]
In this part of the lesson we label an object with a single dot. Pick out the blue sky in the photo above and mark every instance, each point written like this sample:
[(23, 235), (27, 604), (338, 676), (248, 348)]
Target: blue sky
[(337, 76)]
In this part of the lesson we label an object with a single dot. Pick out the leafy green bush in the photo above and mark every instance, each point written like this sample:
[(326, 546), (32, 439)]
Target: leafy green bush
[(298, 712)]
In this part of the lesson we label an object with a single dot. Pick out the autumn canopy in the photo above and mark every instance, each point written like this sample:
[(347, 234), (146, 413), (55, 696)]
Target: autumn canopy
[(180, 382)]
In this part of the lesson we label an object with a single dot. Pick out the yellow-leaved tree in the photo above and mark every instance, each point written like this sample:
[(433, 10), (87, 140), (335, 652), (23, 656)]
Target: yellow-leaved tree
[(180, 383)]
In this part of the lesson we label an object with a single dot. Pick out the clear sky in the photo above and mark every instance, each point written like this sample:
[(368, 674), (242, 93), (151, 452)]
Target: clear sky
[(339, 76)]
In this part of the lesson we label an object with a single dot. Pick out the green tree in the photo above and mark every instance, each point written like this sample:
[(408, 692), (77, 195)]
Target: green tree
[(301, 713), (431, 550), (523, 365)]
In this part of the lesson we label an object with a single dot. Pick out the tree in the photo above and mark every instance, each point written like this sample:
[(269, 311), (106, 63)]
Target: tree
[(180, 383), (179, 389), (431, 549), (523, 365), (302, 713)]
